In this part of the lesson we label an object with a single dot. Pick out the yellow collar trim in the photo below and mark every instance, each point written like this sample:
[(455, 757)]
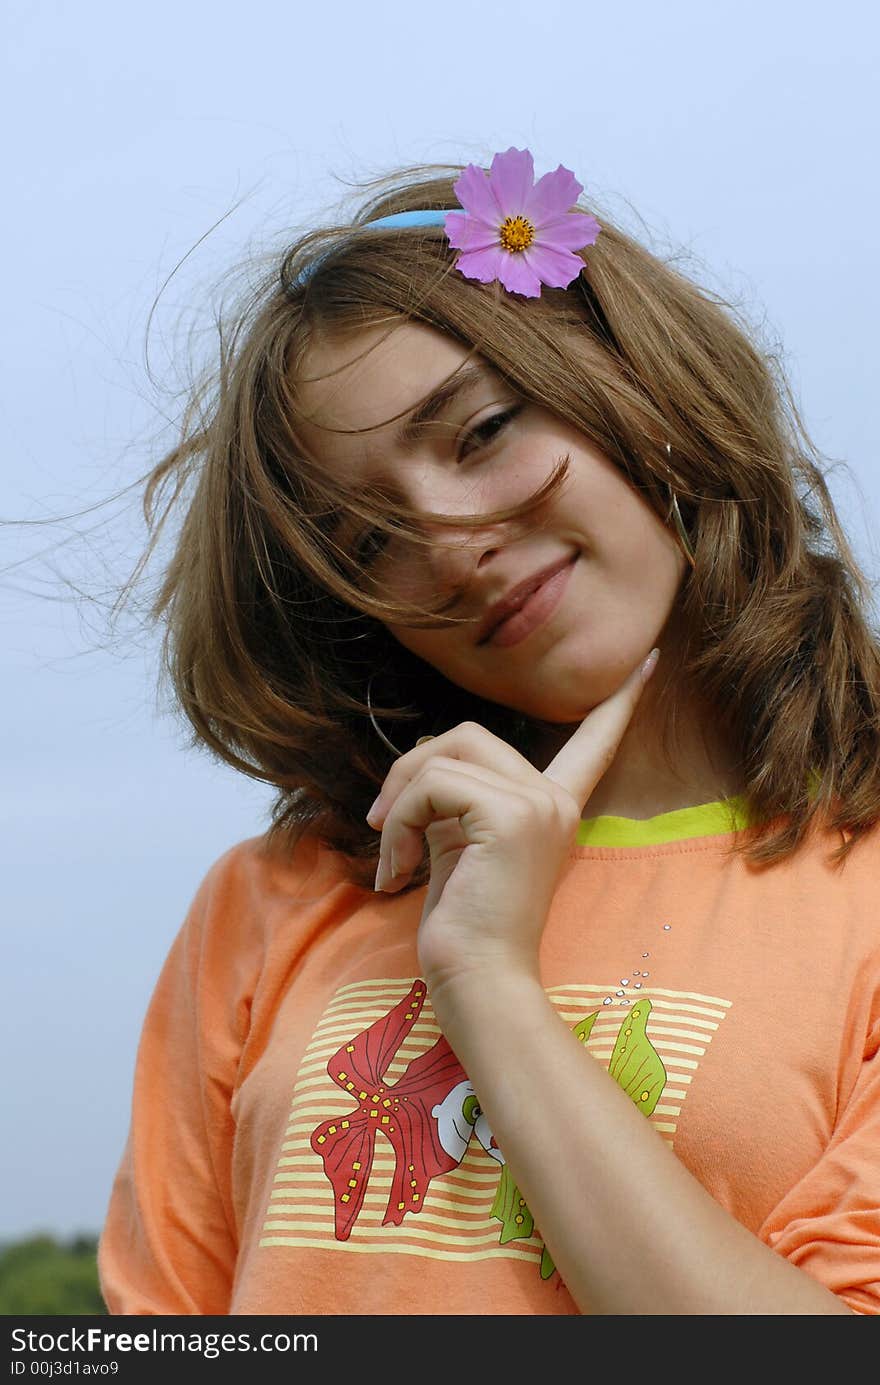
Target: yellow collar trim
[(702, 820)]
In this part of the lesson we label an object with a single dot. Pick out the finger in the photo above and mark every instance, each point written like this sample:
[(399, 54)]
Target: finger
[(449, 789), (589, 751), (468, 741)]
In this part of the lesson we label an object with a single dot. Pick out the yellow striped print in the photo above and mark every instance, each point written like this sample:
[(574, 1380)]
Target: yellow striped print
[(455, 1222)]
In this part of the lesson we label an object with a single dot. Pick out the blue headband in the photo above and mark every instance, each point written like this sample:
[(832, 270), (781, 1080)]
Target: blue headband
[(508, 228), (435, 218), (397, 219)]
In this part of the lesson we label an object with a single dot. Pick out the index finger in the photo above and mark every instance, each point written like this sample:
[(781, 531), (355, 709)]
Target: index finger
[(589, 751)]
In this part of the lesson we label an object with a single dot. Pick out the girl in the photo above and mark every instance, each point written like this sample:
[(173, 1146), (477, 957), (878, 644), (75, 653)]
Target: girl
[(581, 1013)]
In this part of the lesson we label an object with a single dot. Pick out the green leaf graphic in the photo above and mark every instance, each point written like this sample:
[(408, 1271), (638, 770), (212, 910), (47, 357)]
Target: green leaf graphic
[(584, 1027), (511, 1210), (635, 1064)]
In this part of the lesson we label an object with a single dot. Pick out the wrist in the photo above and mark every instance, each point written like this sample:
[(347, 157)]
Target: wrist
[(479, 1005)]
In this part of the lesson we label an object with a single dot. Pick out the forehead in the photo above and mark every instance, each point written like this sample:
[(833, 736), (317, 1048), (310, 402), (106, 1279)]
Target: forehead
[(366, 380)]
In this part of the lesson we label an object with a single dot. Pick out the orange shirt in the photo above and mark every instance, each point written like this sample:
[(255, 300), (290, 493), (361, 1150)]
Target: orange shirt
[(304, 1141)]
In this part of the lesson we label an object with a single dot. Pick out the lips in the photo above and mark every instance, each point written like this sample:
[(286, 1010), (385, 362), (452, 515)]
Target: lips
[(517, 597)]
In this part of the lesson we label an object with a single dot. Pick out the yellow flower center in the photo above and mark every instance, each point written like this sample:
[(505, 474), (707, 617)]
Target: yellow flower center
[(517, 233)]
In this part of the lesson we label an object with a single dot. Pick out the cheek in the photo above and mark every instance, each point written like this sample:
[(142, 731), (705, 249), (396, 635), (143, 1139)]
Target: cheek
[(407, 580), (430, 645), (632, 536)]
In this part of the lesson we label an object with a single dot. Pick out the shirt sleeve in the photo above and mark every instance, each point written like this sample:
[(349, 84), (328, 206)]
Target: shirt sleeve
[(169, 1244), (829, 1223)]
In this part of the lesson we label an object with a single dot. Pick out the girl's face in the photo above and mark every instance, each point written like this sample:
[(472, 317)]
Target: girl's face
[(485, 448)]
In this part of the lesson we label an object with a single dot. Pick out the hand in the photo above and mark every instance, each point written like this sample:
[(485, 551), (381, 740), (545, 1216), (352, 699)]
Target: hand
[(499, 833)]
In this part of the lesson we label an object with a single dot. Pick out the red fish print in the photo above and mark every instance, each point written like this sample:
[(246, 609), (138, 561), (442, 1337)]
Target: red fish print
[(402, 1111)]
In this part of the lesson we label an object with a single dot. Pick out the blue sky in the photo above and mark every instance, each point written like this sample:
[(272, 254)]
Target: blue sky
[(738, 135)]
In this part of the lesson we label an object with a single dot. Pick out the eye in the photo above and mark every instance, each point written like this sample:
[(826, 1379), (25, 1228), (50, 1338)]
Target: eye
[(488, 430), (470, 1109), (368, 548)]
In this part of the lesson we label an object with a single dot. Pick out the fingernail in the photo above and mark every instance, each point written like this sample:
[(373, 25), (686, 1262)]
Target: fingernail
[(381, 876), (371, 810), (649, 665)]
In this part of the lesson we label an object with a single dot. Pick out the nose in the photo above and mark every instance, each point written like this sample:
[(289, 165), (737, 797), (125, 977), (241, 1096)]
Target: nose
[(455, 553)]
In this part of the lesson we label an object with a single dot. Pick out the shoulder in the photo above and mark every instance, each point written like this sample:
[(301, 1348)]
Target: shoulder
[(839, 895), (857, 873), (251, 890), (253, 865)]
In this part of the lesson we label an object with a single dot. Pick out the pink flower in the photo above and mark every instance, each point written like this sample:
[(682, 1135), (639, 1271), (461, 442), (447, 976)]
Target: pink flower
[(516, 230)]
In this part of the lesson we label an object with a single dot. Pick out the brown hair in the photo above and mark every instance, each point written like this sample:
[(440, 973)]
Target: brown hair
[(273, 629)]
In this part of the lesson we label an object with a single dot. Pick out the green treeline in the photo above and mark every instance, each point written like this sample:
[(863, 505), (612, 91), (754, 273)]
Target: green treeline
[(41, 1275)]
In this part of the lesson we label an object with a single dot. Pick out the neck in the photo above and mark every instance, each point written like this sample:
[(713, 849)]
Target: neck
[(640, 782)]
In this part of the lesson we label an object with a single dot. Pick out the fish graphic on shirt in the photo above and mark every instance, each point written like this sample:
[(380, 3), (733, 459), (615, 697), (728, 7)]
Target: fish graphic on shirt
[(431, 1112)]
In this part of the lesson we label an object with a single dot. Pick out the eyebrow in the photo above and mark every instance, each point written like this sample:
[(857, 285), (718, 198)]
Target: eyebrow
[(465, 381)]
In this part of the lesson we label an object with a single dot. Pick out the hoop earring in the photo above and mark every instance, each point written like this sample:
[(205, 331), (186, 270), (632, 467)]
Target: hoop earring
[(675, 515), (376, 727)]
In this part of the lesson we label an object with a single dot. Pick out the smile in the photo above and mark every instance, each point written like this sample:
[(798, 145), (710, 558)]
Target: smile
[(535, 610)]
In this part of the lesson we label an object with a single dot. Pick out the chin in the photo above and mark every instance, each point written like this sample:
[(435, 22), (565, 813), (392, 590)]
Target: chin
[(557, 719)]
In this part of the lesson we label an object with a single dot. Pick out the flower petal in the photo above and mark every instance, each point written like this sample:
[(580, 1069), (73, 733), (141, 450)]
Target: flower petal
[(518, 276), (572, 231), (555, 268), (512, 176), (553, 193), (484, 265), (469, 232), (476, 194)]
